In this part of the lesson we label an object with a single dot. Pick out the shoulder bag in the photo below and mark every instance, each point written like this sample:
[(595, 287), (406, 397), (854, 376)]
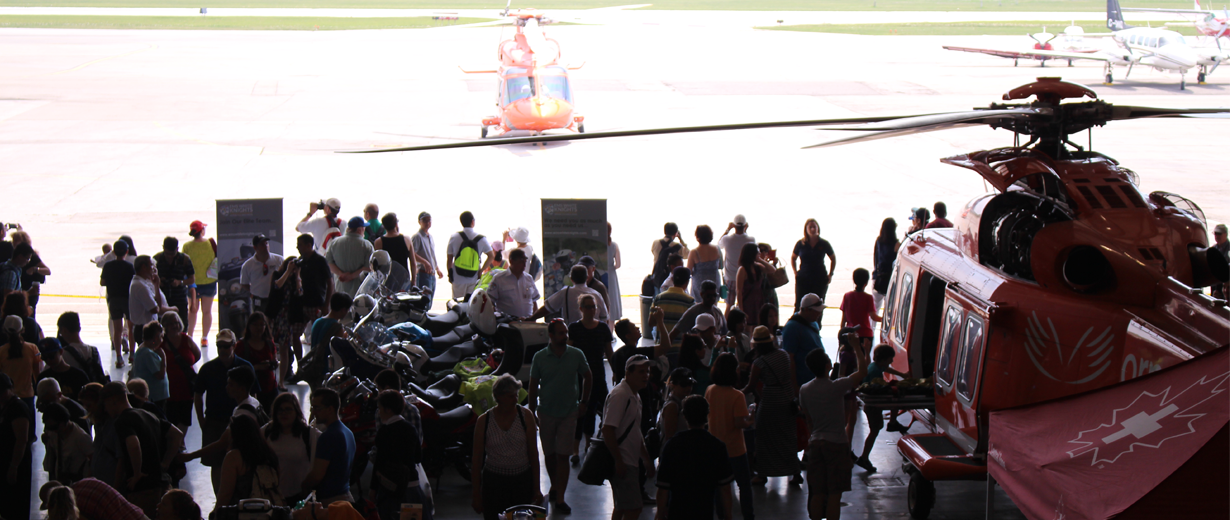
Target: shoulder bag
[(599, 462)]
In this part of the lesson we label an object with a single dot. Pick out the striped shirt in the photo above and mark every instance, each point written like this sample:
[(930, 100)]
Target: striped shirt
[(674, 302)]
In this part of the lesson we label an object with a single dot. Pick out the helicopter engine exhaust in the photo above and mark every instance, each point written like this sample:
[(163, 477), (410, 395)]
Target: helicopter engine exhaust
[(1086, 269), (1209, 266)]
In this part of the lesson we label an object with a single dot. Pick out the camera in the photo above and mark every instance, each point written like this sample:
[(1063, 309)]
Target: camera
[(251, 509), (12, 225)]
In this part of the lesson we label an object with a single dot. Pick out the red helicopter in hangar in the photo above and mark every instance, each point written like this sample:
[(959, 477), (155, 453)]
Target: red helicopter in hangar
[(1073, 358), (534, 93)]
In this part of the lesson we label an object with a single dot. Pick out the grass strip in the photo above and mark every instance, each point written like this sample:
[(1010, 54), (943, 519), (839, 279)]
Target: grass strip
[(249, 23), (705, 5), (1011, 28)]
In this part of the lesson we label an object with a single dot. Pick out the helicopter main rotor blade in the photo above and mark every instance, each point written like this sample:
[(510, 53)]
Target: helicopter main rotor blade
[(1122, 112), (631, 133), (885, 134), (977, 116)]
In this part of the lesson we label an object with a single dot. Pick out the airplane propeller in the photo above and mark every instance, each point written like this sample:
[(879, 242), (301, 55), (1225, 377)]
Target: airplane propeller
[(1046, 119)]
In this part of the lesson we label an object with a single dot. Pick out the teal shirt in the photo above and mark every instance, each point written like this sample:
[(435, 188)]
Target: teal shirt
[(559, 383), (873, 371), (146, 363)]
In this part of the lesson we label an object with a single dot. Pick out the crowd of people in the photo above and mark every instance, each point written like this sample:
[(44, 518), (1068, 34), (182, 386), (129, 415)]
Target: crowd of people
[(708, 396)]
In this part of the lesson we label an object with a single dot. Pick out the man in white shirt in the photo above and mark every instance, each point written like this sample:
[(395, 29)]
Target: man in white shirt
[(566, 301), (145, 300), (256, 274), (465, 277), (731, 245), (322, 228), (425, 246), (513, 290), (621, 431)]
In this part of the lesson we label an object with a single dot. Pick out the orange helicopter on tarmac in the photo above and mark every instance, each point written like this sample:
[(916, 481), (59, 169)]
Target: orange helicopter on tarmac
[(534, 93), (1064, 348)]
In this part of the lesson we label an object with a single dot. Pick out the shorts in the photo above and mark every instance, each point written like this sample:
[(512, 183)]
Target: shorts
[(829, 467), (556, 433), (207, 290), (117, 307), (178, 412), (627, 491)]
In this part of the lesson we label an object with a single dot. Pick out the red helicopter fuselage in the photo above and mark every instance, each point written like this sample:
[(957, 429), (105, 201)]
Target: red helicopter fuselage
[(1069, 280), (534, 91)]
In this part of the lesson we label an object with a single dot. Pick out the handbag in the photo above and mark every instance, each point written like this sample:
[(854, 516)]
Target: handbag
[(778, 278), (599, 464), (212, 270)]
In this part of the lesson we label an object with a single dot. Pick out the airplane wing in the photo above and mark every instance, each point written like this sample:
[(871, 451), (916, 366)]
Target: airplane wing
[(992, 52), (1171, 11), (1039, 54)]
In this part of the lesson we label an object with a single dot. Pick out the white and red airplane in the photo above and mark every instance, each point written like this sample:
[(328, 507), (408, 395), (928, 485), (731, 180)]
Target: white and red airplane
[(1206, 21)]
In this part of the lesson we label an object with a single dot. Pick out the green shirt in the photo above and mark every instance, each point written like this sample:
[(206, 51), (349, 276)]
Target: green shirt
[(559, 384)]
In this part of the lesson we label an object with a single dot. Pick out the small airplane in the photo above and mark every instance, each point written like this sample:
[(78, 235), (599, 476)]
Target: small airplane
[(534, 94), (1073, 41), (1207, 22), (1070, 354), (1161, 49)]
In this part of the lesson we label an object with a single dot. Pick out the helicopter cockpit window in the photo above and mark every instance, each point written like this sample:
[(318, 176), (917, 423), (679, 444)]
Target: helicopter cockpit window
[(949, 342), (556, 87), (903, 309), (971, 354), (519, 88)]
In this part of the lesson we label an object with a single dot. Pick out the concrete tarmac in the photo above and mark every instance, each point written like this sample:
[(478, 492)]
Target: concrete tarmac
[(105, 133)]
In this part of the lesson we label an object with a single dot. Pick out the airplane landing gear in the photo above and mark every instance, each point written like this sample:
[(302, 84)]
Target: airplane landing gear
[(1183, 83), (1110, 78), (1200, 76), (580, 128), (1070, 63), (1014, 62), (484, 131), (920, 497)]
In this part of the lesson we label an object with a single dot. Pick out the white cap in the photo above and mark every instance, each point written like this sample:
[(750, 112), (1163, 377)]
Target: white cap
[(12, 324), (811, 301), (704, 321), (740, 219), (334, 203), (521, 235)]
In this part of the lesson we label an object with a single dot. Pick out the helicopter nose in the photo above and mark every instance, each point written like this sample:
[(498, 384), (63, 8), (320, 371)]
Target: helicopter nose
[(1182, 56)]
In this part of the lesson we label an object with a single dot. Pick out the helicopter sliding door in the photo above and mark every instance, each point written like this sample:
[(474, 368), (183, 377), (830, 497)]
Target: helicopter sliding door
[(958, 369), (925, 336)]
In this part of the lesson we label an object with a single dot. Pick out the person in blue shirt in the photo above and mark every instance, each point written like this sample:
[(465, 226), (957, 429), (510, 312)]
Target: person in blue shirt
[(330, 475), (801, 335)]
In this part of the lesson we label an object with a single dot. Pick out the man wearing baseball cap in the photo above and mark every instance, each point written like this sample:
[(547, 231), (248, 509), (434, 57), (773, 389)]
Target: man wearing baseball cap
[(591, 268), (319, 227), (621, 431), (801, 335), (349, 257), (731, 245), (256, 275)]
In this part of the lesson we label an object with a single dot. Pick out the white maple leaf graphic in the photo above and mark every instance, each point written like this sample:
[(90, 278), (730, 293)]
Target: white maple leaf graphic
[(1158, 417)]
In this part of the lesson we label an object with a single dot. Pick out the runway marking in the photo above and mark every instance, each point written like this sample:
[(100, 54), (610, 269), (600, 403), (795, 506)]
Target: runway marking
[(99, 60)]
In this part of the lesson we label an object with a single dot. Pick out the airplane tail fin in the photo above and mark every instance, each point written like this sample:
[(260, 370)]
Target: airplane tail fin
[(1114, 16)]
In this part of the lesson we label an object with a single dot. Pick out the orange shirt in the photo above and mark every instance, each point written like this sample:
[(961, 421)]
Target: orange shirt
[(21, 371), (725, 405)]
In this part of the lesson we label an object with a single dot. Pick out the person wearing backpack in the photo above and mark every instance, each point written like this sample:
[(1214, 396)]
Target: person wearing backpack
[(250, 469), (663, 248), (465, 256)]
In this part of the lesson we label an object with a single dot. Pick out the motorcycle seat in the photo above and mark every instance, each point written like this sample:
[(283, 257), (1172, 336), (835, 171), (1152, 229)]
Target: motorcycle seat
[(455, 418)]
